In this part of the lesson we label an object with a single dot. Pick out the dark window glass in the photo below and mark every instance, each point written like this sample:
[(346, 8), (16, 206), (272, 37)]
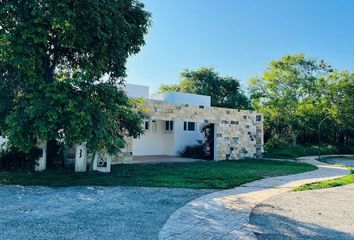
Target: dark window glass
[(185, 126), (168, 125), (146, 125), (171, 125), (191, 126)]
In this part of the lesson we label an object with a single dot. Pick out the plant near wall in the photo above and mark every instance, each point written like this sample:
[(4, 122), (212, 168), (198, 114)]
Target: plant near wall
[(53, 57), (202, 149)]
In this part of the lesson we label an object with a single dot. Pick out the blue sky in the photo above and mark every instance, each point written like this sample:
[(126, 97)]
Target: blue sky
[(240, 37)]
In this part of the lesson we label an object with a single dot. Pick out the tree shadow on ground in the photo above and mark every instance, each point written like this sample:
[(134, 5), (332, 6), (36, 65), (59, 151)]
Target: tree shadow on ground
[(270, 226)]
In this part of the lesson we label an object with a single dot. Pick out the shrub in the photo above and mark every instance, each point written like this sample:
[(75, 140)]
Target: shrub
[(13, 159), (295, 151), (275, 143), (194, 151)]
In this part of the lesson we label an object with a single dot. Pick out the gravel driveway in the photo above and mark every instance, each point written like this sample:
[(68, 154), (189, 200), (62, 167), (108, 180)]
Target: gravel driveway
[(125, 213), (316, 214)]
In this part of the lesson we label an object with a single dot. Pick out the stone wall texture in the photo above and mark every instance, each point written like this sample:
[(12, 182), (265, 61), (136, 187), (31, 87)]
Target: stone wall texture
[(239, 133)]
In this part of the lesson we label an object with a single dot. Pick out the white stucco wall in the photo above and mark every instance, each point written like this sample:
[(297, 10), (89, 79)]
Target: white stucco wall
[(136, 91), (166, 143), (154, 143), (183, 138), (184, 98)]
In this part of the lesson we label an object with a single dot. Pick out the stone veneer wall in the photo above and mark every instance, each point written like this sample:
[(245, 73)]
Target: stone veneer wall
[(239, 132)]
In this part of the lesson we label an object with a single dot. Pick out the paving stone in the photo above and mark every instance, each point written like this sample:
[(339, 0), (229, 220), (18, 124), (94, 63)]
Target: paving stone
[(225, 214)]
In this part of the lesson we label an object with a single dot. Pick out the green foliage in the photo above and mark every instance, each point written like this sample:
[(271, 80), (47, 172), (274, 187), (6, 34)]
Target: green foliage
[(295, 93), (53, 57), (342, 181), (224, 91), (13, 159), (194, 151), (205, 174), (290, 151), (202, 149)]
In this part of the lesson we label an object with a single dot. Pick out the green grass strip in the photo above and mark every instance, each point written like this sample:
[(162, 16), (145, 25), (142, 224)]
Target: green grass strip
[(348, 179), (206, 174)]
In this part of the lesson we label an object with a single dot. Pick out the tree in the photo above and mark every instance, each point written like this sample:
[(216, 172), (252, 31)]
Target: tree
[(224, 91), (340, 102), (53, 57), (290, 93)]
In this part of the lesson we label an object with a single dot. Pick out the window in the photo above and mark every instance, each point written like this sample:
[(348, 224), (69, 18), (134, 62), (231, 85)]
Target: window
[(190, 126), (169, 125), (146, 125), (258, 118)]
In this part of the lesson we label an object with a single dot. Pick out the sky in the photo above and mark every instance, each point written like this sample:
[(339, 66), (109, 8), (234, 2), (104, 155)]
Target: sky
[(240, 37)]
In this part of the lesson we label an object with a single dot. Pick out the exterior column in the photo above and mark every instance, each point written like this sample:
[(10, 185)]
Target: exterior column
[(41, 162), (81, 158), (102, 161)]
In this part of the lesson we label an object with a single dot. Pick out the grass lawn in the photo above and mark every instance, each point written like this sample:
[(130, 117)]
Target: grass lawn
[(293, 152), (218, 175), (348, 179)]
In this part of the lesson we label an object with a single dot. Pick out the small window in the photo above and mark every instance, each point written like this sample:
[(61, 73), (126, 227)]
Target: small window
[(191, 126), (258, 118), (168, 125), (171, 125), (201, 106), (146, 125)]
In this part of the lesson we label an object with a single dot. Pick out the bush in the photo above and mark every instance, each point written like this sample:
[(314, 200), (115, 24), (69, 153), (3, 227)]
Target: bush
[(275, 143), (295, 151), (194, 151), (13, 159)]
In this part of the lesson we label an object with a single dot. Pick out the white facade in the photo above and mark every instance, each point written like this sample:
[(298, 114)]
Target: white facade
[(159, 141), (184, 98)]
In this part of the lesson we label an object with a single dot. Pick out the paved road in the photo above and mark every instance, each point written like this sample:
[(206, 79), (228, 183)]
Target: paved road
[(326, 214), (349, 162), (87, 213), (225, 214)]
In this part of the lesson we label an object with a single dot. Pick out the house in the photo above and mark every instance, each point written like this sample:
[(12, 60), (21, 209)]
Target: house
[(174, 120)]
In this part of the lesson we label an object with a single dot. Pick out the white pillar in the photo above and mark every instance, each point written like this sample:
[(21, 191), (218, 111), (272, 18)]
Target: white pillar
[(41, 162), (102, 162), (81, 158)]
